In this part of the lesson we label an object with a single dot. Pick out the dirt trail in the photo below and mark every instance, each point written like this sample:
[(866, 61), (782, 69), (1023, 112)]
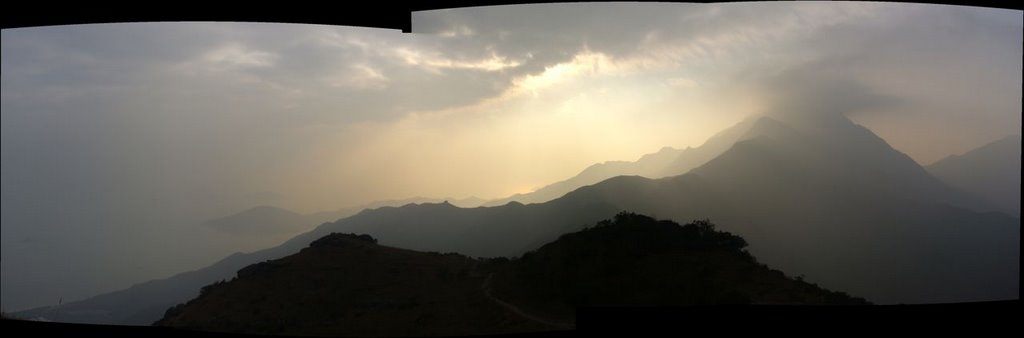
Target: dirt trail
[(515, 309)]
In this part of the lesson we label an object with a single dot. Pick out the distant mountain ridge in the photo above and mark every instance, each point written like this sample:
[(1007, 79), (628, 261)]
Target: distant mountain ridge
[(279, 224), (991, 171), (262, 220), (666, 162)]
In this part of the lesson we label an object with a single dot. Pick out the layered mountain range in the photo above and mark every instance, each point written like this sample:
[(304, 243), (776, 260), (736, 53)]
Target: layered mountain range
[(818, 196)]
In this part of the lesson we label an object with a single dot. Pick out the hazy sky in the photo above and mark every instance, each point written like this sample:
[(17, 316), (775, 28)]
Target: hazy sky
[(116, 134)]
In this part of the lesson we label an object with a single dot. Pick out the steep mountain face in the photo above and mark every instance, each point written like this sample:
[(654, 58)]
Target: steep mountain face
[(835, 203), (833, 150), (348, 285), (666, 162), (991, 172), (714, 146)]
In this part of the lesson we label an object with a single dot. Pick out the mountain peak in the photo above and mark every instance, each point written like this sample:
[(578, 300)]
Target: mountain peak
[(766, 121), (829, 122), (830, 149), (766, 126), (342, 240)]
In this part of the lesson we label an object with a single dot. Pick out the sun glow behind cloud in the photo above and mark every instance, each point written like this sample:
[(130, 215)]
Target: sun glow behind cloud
[(520, 99), (435, 63), (542, 128)]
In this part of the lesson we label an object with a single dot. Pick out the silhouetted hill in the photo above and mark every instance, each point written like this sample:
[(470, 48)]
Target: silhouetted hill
[(635, 260), (348, 285), (991, 171)]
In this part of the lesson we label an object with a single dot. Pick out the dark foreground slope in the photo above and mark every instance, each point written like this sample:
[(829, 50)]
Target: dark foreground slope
[(348, 285), (635, 260)]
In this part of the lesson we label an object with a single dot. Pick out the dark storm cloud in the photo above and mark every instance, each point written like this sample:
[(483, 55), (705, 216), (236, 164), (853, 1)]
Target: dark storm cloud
[(912, 52), (544, 35), (547, 34), (822, 88)]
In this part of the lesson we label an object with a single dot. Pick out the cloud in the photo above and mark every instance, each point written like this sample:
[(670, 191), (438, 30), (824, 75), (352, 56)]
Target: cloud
[(363, 76), (817, 88), (660, 38), (235, 56), (435, 62)]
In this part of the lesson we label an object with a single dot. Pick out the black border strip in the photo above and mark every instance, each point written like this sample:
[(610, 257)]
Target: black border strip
[(374, 14)]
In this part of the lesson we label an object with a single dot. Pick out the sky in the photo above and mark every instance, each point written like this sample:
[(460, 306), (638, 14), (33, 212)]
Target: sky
[(118, 138)]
